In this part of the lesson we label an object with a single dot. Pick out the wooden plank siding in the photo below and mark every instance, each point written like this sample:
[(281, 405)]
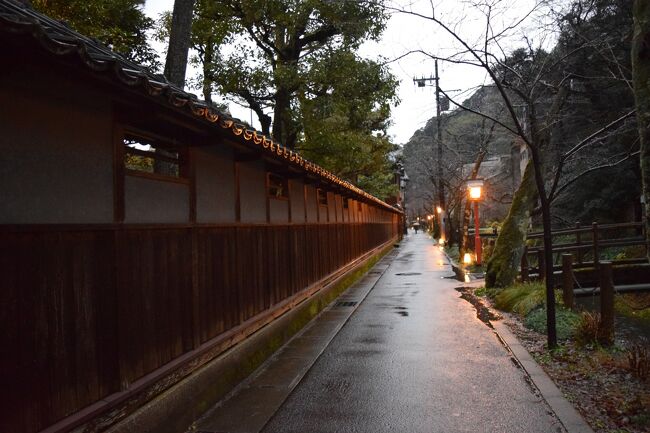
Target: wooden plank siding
[(88, 310)]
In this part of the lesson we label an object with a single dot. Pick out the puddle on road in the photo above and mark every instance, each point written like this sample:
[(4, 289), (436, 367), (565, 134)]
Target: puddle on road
[(402, 311), (405, 258), (483, 313)]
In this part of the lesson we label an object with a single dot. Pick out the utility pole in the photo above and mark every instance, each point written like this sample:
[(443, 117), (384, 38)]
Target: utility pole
[(441, 188), (421, 82)]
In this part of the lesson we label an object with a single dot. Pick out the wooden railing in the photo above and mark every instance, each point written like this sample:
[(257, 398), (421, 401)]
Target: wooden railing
[(588, 244), (91, 315)]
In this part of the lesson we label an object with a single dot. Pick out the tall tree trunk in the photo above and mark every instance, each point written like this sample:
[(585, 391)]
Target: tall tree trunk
[(641, 76), (179, 42), (208, 58), (504, 262), (549, 277), (283, 131)]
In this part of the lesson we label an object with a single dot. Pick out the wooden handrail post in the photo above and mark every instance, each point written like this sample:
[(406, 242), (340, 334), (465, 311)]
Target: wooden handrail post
[(524, 265), (567, 280), (606, 326), (541, 266), (594, 231), (579, 243)]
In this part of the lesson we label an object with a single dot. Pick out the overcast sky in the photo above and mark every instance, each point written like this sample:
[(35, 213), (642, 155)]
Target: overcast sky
[(406, 33)]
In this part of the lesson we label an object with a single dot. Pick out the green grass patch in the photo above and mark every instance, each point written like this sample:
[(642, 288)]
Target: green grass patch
[(481, 291), (633, 305), (521, 298), (566, 322)]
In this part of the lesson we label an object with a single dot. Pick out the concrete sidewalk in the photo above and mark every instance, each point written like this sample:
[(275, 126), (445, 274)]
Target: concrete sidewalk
[(399, 352)]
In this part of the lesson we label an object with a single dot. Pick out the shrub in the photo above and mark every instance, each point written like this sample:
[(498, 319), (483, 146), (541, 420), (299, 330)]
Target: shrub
[(638, 358), (588, 328), (566, 322)]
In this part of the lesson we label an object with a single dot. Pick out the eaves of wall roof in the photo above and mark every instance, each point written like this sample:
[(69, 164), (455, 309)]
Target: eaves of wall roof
[(65, 43)]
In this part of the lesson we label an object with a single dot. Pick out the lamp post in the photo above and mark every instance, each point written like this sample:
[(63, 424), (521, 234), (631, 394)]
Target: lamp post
[(475, 189), (441, 221)]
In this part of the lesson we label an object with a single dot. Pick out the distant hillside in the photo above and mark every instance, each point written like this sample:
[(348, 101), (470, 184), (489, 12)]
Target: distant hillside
[(462, 133)]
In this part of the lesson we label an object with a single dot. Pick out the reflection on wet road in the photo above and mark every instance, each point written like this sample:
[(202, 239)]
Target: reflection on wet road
[(414, 358)]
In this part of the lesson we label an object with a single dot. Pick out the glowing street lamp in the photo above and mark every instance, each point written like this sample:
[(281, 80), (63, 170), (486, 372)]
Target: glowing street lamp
[(441, 219), (474, 191)]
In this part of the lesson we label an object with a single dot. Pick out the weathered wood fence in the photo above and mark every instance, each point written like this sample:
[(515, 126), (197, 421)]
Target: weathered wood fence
[(92, 315), (588, 244), (579, 255)]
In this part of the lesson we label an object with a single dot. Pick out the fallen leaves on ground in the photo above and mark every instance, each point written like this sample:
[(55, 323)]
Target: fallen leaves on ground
[(596, 381)]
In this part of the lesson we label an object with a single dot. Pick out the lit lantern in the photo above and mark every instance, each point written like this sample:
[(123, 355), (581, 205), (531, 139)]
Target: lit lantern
[(474, 189), (467, 259)]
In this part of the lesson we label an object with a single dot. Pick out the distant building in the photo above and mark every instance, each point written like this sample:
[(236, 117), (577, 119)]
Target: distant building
[(502, 175)]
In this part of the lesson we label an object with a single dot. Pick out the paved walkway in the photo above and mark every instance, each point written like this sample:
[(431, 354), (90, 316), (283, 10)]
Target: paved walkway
[(411, 357)]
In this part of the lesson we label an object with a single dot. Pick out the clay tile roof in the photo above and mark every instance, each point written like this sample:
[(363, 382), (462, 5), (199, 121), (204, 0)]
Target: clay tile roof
[(59, 39)]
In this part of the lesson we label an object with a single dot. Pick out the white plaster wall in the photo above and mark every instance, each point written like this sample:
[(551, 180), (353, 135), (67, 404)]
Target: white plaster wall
[(252, 192), (57, 160), (297, 201), (215, 184), (312, 205), (278, 210), (155, 201)]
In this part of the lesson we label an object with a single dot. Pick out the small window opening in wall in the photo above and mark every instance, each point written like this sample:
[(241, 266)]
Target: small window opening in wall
[(359, 208), (322, 197), (149, 156), (346, 204), (277, 186)]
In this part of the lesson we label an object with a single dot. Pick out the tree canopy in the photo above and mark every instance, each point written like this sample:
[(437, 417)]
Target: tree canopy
[(296, 65)]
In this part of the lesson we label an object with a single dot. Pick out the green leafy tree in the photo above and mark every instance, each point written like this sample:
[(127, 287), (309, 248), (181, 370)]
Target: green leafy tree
[(119, 24), (295, 65), (273, 44), (345, 109)]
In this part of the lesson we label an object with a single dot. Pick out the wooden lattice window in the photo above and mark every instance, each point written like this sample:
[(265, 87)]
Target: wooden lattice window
[(152, 157), (322, 197), (277, 186)]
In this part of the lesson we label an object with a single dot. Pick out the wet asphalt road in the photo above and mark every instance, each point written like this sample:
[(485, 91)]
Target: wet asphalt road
[(414, 358)]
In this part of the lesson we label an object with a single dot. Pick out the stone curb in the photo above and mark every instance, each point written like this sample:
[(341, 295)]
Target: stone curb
[(566, 413)]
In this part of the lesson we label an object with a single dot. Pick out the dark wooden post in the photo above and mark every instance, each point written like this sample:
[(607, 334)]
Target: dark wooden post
[(594, 231), (606, 326), (567, 280), (579, 243), (541, 266), (524, 265)]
